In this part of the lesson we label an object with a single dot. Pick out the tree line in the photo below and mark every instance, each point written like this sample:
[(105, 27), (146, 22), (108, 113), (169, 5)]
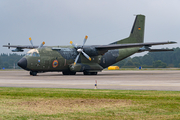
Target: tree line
[(153, 60), (9, 61), (150, 60)]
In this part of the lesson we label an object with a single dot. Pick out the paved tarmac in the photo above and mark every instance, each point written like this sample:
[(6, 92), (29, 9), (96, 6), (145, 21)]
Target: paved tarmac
[(121, 80)]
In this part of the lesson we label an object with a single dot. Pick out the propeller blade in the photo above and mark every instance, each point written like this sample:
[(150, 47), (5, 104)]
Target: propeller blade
[(41, 44), (73, 44), (76, 59), (85, 39), (31, 41), (87, 56)]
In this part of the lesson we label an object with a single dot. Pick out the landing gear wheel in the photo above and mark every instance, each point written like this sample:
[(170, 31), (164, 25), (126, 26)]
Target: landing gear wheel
[(30, 73), (87, 73), (90, 73), (33, 73), (65, 73), (72, 73), (94, 73), (68, 73)]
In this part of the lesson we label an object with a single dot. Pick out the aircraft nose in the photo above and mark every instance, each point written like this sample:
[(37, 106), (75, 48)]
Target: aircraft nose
[(22, 63)]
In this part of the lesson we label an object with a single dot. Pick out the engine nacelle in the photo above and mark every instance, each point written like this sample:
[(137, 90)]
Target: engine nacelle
[(90, 50), (17, 50)]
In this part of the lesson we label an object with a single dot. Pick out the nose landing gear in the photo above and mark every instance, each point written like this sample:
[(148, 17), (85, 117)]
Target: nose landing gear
[(33, 73)]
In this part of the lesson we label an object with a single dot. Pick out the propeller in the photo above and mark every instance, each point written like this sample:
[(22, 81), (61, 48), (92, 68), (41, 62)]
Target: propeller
[(80, 50), (31, 41), (39, 45)]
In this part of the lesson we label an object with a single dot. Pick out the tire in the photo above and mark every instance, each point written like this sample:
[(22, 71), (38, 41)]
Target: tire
[(65, 73), (72, 73), (68, 73), (94, 73), (33, 73), (90, 73), (30, 73)]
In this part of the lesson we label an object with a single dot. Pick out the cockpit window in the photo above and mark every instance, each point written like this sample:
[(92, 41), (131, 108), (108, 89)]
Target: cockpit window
[(29, 54), (34, 54)]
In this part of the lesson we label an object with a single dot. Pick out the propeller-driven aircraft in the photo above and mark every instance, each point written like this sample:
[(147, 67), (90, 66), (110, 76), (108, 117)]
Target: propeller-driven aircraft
[(89, 59)]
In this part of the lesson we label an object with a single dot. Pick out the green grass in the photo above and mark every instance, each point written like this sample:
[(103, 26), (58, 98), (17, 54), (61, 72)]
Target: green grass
[(49, 103)]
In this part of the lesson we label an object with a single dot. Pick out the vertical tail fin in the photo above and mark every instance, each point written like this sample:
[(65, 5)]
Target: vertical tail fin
[(137, 32)]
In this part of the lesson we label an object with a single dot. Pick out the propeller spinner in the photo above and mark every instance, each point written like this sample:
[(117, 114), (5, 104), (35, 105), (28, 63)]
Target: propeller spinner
[(80, 50)]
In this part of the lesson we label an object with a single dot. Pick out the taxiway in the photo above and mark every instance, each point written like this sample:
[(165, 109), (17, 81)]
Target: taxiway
[(122, 80)]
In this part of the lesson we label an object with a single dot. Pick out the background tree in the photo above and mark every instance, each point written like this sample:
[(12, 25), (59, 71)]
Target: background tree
[(159, 64)]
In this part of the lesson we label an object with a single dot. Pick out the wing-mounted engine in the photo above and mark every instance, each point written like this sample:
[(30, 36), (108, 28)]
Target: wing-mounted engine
[(80, 50), (18, 50), (86, 51), (90, 50)]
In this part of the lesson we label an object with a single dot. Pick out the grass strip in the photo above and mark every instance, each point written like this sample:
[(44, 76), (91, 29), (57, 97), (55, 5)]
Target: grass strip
[(53, 103)]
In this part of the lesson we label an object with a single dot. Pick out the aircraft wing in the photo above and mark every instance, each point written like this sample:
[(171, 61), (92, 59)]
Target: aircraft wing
[(19, 48), (121, 46)]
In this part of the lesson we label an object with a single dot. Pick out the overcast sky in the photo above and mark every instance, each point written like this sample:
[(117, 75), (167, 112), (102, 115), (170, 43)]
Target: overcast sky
[(57, 22)]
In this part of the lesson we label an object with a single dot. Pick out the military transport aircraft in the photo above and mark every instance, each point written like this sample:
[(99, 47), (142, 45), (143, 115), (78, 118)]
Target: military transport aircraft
[(87, 59)]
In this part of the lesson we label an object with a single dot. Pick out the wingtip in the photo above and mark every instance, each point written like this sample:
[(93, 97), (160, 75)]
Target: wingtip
[(172, 42)]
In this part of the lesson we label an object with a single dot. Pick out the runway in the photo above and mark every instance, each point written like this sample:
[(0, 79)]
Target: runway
[(121, 80)]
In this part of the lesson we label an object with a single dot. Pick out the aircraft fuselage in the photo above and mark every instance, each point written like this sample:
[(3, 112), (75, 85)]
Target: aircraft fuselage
[(45, 59)]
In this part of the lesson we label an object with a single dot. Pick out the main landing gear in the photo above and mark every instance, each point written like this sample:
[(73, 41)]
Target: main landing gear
[(68, 73), (33, 73), (90, 73), (74, 73)]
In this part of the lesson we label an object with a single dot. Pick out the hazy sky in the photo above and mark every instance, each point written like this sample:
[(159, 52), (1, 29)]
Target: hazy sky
[(57, 22)]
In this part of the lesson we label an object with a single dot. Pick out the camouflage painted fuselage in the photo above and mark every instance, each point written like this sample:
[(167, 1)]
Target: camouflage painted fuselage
[(63, 59)]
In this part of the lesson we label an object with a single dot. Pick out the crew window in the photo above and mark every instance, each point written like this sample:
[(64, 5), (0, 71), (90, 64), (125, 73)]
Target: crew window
[(34, 54)]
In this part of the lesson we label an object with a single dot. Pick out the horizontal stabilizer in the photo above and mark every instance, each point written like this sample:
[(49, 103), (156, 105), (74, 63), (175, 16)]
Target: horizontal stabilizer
[(156, 50), (160, 50)]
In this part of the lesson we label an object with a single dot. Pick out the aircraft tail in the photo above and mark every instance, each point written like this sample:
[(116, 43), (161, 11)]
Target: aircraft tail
[(137, 32)]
